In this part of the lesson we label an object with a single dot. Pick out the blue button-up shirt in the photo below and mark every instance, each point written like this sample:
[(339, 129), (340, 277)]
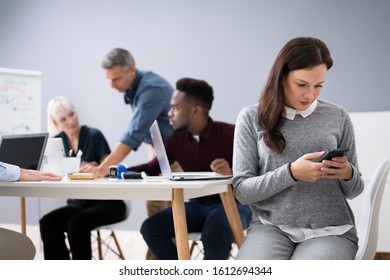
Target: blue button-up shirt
[(9, 172), (149, 97)]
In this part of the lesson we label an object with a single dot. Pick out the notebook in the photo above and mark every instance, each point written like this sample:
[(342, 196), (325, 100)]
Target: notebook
[(53, 156), (166, 168), (23, 150)]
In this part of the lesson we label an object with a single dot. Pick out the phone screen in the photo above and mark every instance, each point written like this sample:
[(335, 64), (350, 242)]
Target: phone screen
[(335, 153)]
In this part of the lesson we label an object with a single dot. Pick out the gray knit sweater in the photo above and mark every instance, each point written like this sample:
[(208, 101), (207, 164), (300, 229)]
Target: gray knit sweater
[(262, 179)]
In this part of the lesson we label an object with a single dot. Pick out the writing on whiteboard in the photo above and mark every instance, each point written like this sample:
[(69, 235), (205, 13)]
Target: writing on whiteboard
[(20, 98)]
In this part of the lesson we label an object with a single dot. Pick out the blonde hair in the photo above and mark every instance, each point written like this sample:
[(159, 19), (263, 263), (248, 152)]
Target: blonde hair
[(56, 109)]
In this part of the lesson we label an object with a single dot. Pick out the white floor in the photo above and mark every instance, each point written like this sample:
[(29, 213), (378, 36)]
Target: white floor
[(131, 242)]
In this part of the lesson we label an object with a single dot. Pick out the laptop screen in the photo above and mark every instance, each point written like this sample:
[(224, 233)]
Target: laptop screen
[(165, 166), (23, 150), (53, 156), (161, 154)]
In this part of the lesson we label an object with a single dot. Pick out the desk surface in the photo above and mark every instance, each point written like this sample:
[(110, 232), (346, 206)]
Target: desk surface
[(113, 189), (174, 191)]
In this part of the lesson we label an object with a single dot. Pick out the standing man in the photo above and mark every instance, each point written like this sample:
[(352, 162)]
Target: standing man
[(198, 144), (149, 95)]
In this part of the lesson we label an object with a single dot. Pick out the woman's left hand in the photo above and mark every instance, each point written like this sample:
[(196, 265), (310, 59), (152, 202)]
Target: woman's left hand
[(337, 168)]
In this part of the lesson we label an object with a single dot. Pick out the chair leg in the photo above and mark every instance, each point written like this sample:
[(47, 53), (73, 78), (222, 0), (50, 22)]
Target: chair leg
[(193, 244), (120, 253), (196, 249), (104, 242), (99, 245)]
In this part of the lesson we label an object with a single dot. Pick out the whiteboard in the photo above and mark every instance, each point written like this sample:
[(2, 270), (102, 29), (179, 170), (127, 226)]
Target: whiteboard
[(20, 101)]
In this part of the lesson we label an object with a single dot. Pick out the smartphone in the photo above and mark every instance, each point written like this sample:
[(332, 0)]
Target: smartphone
[(335, 153)]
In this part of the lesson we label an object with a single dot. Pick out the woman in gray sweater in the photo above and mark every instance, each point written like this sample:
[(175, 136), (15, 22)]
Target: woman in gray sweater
[(298, 201)]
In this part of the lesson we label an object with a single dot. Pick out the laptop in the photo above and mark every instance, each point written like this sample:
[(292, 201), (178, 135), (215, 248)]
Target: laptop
[(53, 156), (166, 167), (23, 150)]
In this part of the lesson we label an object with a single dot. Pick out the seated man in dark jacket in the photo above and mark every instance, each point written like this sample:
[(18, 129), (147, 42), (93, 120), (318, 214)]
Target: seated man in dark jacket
[(198, 144)]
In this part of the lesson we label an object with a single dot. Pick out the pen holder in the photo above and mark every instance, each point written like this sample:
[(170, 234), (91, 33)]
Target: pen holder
[(71, 164)]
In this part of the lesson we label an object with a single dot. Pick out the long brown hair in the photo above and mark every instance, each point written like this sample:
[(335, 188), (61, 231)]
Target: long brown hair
[(298, 53)]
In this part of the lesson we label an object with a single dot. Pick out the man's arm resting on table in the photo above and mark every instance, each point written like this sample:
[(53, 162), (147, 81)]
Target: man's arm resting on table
[(10, 172)]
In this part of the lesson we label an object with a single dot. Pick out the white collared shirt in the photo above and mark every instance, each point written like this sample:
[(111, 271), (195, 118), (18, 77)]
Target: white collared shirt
[(298, 234), (290, 113)]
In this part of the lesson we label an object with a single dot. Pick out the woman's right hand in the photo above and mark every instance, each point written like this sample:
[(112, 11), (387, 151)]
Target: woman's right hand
[(306, 169)]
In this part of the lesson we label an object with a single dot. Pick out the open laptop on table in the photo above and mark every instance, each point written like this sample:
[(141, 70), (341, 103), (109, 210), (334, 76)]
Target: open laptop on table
[(23, 150), (166, 167)]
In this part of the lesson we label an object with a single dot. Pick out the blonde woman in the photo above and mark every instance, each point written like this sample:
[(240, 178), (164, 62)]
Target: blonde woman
[(78, 217)]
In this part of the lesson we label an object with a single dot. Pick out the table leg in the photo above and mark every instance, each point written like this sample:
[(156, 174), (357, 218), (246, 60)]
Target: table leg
[(180, 223), (233, 217), (22, 203)]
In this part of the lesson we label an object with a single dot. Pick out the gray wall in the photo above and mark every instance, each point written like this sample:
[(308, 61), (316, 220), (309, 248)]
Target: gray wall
[(231, 44)]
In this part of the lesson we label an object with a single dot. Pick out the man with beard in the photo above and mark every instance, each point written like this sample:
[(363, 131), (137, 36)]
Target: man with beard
[(198, 144)]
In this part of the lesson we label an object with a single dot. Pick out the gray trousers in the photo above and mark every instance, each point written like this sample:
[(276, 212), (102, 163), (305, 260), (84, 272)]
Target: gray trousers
[(266, 242)]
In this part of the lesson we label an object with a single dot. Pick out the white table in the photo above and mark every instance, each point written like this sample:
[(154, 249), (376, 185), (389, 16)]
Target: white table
[(177, 192)]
